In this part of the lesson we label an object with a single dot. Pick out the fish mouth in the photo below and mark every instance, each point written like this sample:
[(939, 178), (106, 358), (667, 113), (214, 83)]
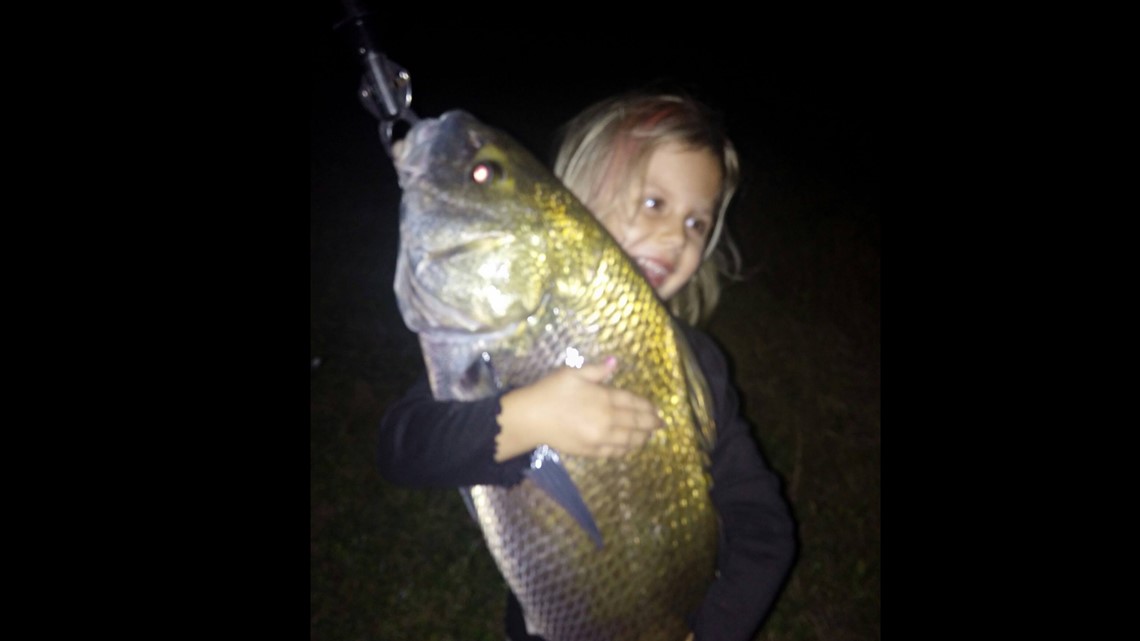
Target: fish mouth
[(412, 155), (656, 271), (421, 306), (486, 244), (429, 140), (438, 296)]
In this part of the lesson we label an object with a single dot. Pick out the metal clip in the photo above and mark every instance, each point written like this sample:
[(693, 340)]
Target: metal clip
[(386, 88), (386, 93)]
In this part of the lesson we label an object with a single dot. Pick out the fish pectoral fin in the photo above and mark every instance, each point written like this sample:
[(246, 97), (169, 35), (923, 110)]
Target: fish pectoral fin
[(548, 474), (465, 492)]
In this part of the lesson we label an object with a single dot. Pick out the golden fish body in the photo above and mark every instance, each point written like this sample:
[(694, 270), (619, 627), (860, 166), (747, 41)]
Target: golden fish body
[(506, 276)]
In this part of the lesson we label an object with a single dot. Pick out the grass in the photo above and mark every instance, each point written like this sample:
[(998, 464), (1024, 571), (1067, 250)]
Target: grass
[(390, 563)]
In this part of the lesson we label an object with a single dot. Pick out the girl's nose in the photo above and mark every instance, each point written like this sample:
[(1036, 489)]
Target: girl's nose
[(669, 231)]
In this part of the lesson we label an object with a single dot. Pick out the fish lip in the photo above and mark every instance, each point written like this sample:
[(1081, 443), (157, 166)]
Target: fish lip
[(412, 154)]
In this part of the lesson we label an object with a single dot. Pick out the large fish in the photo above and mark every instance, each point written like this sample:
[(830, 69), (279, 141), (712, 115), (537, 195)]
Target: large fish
[(505, 276)]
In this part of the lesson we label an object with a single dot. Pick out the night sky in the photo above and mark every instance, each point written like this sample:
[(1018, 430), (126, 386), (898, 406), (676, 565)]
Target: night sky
[(801, 93)]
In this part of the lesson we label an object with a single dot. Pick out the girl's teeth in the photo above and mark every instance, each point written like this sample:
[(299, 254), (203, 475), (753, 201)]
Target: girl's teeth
[(652, 266), (652, 270)]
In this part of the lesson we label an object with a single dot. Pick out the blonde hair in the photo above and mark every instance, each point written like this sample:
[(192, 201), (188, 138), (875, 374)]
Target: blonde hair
[(609, 145)]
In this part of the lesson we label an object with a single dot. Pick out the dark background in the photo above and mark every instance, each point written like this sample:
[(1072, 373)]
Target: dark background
[(804, 100), (805, 95)]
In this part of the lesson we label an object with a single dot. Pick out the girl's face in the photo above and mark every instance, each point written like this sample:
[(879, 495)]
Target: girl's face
[(671, 217)]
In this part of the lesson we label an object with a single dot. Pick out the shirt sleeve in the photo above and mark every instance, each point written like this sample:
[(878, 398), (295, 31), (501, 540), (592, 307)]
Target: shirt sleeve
[(757, 534), (429, 443)]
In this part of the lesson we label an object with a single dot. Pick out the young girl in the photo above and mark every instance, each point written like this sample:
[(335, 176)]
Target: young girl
[(658, 172)]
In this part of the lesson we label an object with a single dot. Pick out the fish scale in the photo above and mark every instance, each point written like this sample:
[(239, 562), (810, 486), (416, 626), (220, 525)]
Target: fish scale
[(561, 287)]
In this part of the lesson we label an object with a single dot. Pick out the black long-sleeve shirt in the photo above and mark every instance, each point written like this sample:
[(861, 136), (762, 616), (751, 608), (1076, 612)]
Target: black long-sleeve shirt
[(430, 443)]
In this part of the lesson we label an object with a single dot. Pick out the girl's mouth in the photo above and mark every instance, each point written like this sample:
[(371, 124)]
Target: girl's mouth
[(655, 271)]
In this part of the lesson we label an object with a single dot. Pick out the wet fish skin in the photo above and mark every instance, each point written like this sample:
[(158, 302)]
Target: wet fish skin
[(506, 279)]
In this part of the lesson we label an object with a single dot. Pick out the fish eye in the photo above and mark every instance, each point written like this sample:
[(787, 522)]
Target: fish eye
[(486, 171)]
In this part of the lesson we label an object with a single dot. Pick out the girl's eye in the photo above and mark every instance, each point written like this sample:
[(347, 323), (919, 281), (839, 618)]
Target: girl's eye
[(651, 203), (699, 225), (485, 171)]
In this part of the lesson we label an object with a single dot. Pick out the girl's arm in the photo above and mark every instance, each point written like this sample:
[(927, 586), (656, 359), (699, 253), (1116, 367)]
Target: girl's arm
[(425, 442), (430, 443)]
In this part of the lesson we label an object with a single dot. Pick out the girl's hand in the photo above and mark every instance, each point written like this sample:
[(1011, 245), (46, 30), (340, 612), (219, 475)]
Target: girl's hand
[(575, 412)]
